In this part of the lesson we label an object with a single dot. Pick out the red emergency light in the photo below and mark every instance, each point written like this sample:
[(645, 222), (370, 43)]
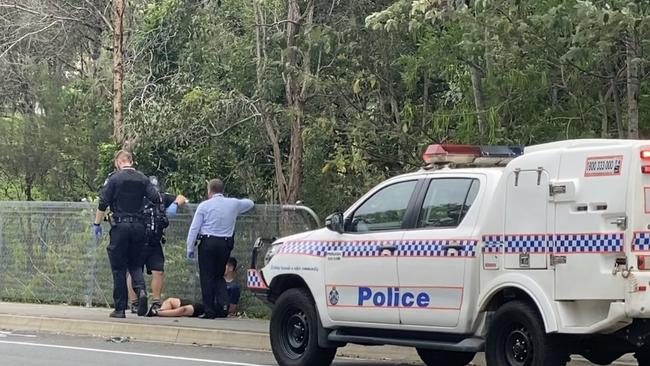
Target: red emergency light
[(645, 154), (470, 154)]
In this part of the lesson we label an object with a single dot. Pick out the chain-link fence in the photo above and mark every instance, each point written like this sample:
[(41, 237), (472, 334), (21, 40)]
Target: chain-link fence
[(48, 254)]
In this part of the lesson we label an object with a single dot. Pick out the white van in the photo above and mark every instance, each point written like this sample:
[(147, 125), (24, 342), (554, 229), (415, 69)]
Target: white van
[(529, 256)]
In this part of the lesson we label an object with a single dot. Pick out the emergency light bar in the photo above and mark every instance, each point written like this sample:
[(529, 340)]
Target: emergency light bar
[(471, 155)]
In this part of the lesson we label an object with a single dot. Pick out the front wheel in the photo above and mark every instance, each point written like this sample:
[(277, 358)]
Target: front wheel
[(444, 358), (516, 337), (294, 331)]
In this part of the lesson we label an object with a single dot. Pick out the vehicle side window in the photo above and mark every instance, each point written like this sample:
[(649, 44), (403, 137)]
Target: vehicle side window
[(447, 201), (385, 210)]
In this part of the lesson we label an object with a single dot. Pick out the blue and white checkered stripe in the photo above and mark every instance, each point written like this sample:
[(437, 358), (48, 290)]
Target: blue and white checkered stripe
[(588, 243), (526, 243), (356, 249), (317, 249), (436, 248), (641, 242), (254, 280), (492, 244)]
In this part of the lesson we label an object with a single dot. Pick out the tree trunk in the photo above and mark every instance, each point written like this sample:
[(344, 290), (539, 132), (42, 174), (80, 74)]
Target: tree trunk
[(118, 70), (425, 101), (296, 92), (604, 118), (29, 186), (633, 84), (288, 172), (479, 99), (618, 112), (260, 105)]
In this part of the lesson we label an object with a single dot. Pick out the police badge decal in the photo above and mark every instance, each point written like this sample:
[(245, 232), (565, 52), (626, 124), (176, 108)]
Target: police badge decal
[(334, 296)]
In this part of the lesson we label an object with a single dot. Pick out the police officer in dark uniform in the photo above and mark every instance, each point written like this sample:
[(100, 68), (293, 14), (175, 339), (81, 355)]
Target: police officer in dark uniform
[(123, 192)]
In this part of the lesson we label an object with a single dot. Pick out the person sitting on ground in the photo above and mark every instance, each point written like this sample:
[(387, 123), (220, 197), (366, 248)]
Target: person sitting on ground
[(175, 307), (232, 287)]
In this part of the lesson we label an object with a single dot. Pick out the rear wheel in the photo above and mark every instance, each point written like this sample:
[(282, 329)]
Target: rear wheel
[(444, 358), (516, 337), (294, 331)]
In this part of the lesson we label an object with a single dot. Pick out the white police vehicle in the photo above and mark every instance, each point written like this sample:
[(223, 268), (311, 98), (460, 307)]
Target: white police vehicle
[(546, 256)]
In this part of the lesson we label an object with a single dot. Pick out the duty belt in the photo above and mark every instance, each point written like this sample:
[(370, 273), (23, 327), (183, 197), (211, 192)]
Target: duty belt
[(128, 220), (215, 237)]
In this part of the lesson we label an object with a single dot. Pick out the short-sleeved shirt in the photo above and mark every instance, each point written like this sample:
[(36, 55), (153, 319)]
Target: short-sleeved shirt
[(198, 307), (234, 292), (168, 199), (123, 192)]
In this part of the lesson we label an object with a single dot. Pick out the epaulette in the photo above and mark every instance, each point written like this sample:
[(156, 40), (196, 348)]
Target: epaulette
[(109, 176)]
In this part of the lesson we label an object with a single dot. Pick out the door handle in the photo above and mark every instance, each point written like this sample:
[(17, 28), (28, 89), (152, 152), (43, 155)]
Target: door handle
[(621, 222), (453, 247), (390, 248)]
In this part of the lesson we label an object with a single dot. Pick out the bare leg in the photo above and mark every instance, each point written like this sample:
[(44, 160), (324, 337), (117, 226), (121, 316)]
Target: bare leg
[(232, 310), (186, 310), (157, 283), (132, 296), (170, 304)]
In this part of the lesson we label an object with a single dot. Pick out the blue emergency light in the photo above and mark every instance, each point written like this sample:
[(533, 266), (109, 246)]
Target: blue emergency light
[(444, 154)]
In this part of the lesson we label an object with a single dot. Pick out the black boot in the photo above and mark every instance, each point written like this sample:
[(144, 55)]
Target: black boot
[(222, 311), (142, 303), (118, 314)]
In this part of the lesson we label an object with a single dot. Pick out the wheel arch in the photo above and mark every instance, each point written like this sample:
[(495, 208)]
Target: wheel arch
[(520, 288), (284, 282)]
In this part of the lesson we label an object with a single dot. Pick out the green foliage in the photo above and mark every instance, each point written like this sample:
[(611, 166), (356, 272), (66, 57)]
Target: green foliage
[(383, 80)]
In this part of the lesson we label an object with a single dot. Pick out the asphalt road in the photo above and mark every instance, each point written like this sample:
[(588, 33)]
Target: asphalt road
[(54, 350)]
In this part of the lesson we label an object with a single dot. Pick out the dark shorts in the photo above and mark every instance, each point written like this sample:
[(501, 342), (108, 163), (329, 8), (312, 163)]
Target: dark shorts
[(153, 258), (198, 307)]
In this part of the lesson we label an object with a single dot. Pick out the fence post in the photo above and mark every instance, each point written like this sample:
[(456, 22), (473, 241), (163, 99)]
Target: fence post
[(2, 253), (91, 271)]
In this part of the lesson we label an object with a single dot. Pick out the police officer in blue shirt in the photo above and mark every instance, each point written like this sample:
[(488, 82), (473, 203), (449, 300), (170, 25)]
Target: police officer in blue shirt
[(123, 192), (214, 226)]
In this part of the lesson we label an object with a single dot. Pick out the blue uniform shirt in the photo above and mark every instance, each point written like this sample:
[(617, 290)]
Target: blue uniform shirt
[(216, 217)]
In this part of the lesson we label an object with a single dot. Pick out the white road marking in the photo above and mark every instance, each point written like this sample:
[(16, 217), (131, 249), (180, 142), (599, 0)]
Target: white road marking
[(7, 334), (189, 359)]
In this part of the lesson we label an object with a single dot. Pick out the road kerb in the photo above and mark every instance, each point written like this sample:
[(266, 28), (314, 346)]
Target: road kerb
[(181, 335), (190, 336)]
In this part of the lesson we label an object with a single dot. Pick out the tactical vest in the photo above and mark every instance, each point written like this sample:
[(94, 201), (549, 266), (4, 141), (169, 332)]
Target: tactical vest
[(155, 221)]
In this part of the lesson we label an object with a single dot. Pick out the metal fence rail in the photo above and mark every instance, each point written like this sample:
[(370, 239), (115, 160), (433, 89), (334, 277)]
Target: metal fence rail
[(48, 255)]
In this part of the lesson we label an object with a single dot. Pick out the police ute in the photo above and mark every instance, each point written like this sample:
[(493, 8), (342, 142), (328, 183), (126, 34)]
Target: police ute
[(529, 255)]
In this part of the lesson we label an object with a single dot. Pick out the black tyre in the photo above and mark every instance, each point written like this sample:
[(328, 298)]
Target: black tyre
[(444, 358), (294, 331), (516, 337)]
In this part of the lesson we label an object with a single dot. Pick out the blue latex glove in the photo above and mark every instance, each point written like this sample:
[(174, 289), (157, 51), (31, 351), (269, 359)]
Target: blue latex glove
[(190, 255), (97, 231)]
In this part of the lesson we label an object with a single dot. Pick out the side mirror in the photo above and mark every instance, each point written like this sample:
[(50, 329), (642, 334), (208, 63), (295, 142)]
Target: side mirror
[(334, 222)]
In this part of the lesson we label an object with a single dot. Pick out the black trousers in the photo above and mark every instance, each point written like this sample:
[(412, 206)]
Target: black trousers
[(125, 254), (213, 256)]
